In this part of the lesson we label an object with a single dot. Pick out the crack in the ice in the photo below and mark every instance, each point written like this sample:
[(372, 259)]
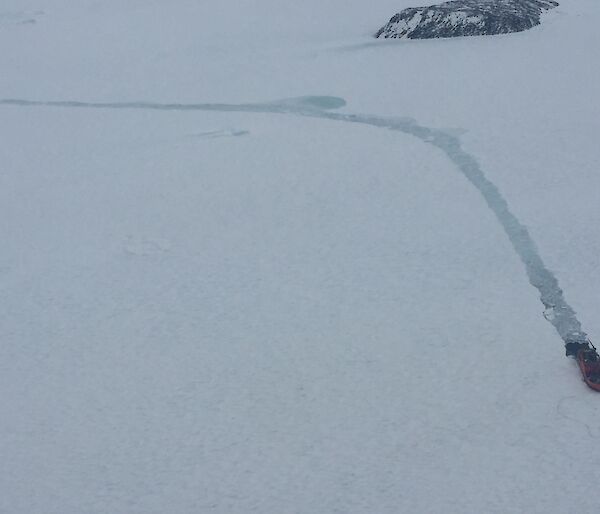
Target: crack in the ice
[(557, 311)]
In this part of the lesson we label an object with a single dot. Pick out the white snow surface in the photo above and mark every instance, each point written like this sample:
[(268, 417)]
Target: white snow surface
[(236, 312)]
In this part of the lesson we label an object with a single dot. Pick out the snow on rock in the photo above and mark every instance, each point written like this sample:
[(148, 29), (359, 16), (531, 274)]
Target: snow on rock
[(465, 18)]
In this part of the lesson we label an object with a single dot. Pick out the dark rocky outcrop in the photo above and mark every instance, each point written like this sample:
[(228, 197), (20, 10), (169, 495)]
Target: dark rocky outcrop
[(466, 18)]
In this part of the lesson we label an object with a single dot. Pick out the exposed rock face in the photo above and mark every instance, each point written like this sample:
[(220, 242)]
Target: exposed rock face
[(466, 18)]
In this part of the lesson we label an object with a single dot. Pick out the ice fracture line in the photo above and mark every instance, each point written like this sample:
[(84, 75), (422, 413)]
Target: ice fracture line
[(557, 311)]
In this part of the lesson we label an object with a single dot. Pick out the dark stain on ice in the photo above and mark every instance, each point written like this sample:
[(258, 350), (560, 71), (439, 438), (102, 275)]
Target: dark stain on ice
[(213, 134), (20, 17)]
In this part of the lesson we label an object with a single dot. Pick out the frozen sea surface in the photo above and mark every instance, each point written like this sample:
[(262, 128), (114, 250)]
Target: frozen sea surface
[(318, 316)]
